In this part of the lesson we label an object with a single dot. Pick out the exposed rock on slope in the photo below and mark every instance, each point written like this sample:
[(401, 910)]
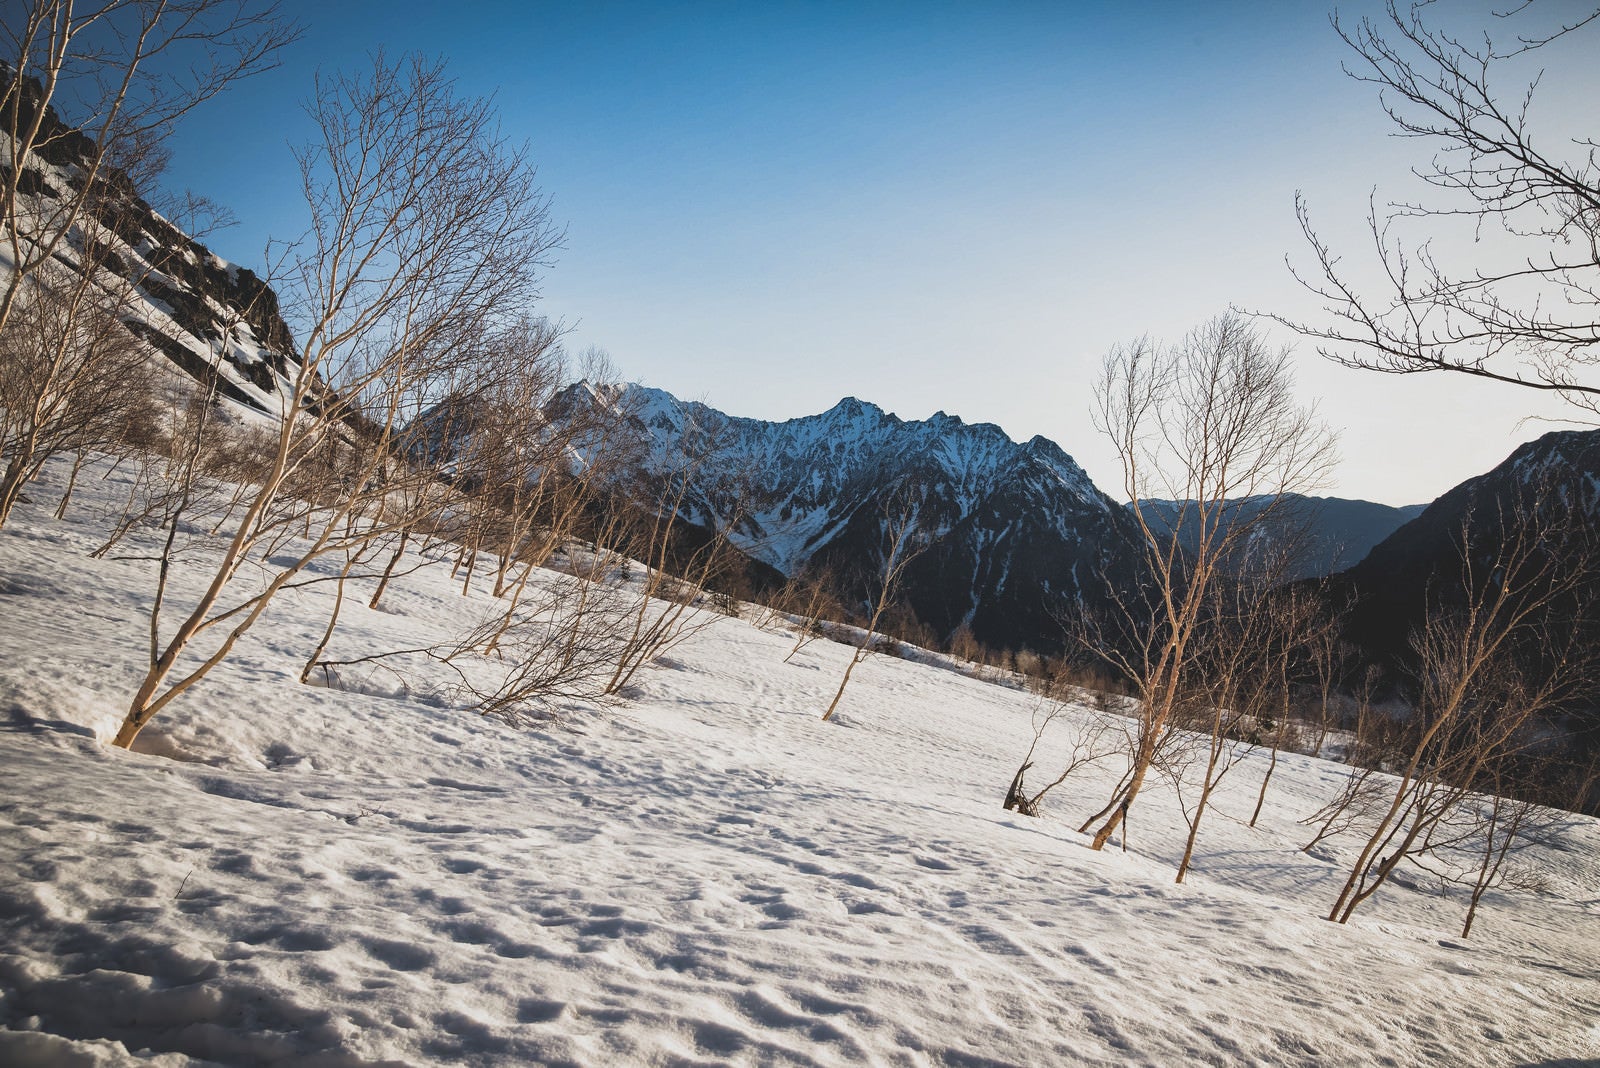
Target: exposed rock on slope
[(216, 321)]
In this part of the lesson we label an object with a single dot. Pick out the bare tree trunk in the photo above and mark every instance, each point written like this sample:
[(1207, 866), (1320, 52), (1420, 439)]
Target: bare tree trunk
[(79, 458), (1194, 826), (388, 570), (1261, 798), (11, 486), (1120, 812), (1116, 799), (849, 668), (333, 619), (1015, 797)]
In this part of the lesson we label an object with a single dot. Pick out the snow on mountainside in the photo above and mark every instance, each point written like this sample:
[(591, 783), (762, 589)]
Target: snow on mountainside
[(802, 477), (705, 874), (215, 321), (1019, 531)]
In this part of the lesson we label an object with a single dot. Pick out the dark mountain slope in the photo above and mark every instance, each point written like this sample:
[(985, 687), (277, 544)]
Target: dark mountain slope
[(1550, 485), (1323, 534)]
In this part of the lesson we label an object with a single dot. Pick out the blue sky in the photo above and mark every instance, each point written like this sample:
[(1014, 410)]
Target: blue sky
[(930, 206)]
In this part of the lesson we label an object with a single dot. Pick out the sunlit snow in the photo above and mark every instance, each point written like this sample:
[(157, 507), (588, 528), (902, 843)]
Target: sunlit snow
[(703, 874)]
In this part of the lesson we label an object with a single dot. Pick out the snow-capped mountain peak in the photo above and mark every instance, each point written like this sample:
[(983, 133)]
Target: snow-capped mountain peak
[(1016, 527)]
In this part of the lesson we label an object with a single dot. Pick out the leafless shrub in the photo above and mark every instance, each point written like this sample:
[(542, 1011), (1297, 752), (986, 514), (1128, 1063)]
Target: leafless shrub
[(564, 642), (669, 608), (811, 600), (1091, 743)]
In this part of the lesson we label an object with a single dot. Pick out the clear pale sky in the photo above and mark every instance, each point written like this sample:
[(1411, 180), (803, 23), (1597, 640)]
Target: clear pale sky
[(930, 206)]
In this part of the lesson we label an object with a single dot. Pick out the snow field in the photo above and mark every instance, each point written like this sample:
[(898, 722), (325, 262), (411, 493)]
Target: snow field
[(704, 874)]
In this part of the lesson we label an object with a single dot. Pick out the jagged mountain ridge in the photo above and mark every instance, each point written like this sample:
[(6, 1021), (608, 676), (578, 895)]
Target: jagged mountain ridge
[(1017, 533), (798, 476)]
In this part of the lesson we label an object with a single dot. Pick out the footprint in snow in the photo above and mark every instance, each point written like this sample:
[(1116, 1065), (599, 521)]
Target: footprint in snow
[(465, 787), (401, 956), (538, 1010)]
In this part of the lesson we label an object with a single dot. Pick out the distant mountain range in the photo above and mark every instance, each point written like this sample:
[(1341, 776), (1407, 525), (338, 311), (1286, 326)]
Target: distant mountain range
[(1320, 535), (1019, 537)]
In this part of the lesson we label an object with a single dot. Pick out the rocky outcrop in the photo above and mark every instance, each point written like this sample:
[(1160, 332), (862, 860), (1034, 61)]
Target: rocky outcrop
[(216, 321)]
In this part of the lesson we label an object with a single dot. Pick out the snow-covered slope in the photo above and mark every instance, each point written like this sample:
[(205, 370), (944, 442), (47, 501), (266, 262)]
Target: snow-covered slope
[(214, 320), (1019, 533), (706, 874)]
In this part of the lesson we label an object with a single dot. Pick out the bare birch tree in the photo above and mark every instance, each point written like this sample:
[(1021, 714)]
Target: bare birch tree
[(905, 542), (1368, 753), (1235, 686), (1196, 424), (1303, 633), (72, 377)]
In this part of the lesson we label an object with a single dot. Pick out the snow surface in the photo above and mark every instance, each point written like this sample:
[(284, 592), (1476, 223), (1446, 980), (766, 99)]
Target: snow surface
[(704, 874)]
